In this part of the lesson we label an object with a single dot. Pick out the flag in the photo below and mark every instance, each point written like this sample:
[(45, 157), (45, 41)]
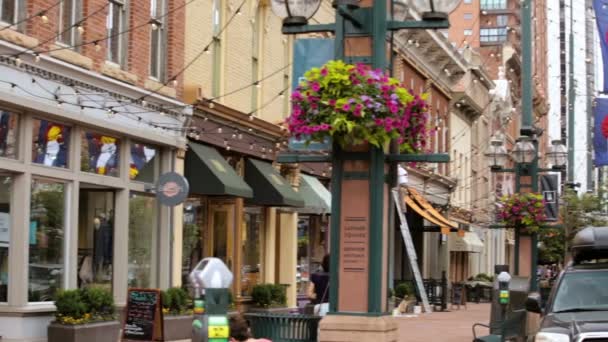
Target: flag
[(601, 15), (548, 187), (600, 136), (309, 53)]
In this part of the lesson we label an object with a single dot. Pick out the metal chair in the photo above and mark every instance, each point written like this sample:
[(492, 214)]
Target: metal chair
[(511, 327)]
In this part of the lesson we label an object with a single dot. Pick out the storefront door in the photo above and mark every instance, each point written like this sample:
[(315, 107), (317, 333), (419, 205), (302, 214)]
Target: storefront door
[(220, 240), (95, 237)]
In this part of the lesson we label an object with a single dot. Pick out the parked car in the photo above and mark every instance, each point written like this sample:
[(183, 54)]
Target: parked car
[(577, 309)]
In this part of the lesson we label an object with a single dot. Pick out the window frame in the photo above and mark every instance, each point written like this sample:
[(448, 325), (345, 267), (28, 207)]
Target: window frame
[(158, 70), (467, 32), (494, 5), (73, 31), (16, 14), (65, 248), (493, 35), (123, 23), (467, 16)]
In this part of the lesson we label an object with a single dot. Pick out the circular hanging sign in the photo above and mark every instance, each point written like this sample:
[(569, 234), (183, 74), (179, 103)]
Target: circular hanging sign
[(172, 189)]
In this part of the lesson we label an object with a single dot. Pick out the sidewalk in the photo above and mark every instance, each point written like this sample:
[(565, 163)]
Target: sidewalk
[(452, 326)]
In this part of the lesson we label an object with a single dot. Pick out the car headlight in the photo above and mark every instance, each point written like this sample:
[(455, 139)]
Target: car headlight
[(551, 337)]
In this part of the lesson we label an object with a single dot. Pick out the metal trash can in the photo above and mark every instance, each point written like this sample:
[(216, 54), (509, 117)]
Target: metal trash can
[(284, 327)]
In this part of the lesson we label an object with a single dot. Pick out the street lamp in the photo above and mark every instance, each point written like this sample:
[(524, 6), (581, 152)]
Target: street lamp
[(295, 12), (557, 154), (524, 151), (435, 9), (497, 154)]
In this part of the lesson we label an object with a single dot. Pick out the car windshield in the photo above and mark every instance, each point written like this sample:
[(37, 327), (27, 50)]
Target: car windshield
[(579, 291)]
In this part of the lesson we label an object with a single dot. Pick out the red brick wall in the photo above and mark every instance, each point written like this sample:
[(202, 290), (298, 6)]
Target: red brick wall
[(138, 40)]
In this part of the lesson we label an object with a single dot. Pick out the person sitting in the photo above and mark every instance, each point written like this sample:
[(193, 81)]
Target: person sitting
[(239, 331)]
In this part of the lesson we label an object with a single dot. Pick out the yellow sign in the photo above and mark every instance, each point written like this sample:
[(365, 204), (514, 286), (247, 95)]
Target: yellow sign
[(218, 332)]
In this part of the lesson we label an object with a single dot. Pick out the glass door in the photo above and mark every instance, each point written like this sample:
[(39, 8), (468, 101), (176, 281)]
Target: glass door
[(221, 232), (95, 237)]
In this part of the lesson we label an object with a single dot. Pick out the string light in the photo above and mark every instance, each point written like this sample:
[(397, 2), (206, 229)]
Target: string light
[(43, 17), (18, 61), (80, 29), (37, 58), (219, 130), (97, 46)]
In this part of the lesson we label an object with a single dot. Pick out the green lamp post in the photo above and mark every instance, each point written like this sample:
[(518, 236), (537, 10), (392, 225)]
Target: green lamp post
[(362, 19)]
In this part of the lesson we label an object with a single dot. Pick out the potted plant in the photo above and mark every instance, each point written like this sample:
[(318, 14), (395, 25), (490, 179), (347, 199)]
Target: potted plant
[(406, 296), (524, 211), (353, 106), (86, 314), (177, 313), (269, 298)]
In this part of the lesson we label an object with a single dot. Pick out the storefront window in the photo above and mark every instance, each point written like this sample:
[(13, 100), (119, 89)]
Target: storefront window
[(143, 240), (192, 249), (46, 240), (8, 134), (253, 220), (5, 237), (100, 154), (51, 143), (144, 163), (95, 238), (303, 271)]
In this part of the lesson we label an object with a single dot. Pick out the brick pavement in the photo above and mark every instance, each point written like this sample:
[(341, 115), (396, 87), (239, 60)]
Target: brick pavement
[(452, 326)]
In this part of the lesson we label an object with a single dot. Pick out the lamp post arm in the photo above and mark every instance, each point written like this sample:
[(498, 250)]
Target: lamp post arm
[(308, 28)]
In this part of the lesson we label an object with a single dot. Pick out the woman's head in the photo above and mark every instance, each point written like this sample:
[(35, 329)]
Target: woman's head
[(239, 329), (325, 263)]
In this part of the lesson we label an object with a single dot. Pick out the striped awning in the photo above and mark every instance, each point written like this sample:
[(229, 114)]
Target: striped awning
[(425, 206)]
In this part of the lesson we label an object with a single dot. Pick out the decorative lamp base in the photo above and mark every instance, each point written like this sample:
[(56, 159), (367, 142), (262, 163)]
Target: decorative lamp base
[(295, 21), (434, 16), (351, 4)]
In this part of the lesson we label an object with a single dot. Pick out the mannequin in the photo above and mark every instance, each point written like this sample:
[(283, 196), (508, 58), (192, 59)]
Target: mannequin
[(102, 247)]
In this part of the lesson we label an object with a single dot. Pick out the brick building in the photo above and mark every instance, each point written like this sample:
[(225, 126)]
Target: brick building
[(90, 118)]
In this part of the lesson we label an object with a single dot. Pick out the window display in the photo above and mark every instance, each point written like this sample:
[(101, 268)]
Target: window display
[(192, 248), (100, 154), (95, 238), (253, 220), (51, 143), (5, 232), (144, 163), (8, 134), (143, 240), (46, 265)]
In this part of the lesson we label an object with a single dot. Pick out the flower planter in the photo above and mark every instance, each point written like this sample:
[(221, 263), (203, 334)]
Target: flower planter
[(178, 327), (279, 310), (90, 332)]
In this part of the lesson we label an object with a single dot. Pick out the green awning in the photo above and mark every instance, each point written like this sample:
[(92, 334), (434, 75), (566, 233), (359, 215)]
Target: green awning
[(210, 174), (269, 187), (317, 199)]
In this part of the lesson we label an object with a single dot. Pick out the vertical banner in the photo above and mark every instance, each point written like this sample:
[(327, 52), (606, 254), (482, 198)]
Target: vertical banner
[(548, 187), (601, 15), (600, 136), (307, 54)]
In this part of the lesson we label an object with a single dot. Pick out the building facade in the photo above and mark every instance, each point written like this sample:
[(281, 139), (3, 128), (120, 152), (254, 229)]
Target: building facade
[(88, 98)]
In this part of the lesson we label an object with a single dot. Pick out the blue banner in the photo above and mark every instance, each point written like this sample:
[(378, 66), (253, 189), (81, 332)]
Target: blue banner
[(601, 15), (600, 137), (309, 53)]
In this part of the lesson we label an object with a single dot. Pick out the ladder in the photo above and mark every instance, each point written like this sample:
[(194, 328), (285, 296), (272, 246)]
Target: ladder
[(411, 251)]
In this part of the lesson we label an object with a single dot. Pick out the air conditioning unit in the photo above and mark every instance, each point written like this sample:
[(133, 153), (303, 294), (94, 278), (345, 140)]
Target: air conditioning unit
[(193, 93)]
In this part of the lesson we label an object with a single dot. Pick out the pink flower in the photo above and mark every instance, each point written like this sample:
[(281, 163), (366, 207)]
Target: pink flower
[(346, 107), (324, 72), (332, 102), (315, 86)]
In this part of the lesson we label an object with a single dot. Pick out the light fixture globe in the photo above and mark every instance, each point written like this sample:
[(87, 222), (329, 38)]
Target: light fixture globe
[(557, 154), (435, 9), (295, 12), (496, 154), (524, 151)]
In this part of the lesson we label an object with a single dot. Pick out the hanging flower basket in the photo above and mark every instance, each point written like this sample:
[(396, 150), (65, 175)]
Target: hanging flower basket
[(522, 211), (354, 105)]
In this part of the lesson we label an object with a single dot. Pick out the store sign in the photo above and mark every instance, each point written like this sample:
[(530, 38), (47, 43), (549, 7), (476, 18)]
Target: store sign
[(172, 189), (548, 187)]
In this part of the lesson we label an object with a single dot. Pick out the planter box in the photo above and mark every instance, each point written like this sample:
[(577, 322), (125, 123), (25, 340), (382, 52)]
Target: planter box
[(178, 327), (92, 332), (282, 310)]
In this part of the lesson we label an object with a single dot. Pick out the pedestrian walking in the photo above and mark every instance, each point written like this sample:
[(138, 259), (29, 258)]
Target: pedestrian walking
[(318, 288)]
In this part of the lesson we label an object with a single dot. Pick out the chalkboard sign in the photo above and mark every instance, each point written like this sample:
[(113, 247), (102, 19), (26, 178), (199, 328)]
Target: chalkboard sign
[(144, 317)]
